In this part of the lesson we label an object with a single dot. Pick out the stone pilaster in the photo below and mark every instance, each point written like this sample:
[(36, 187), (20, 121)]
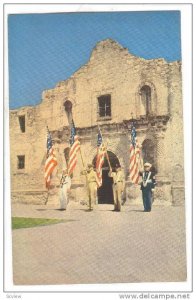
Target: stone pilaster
[(163, 189), (160, 153)]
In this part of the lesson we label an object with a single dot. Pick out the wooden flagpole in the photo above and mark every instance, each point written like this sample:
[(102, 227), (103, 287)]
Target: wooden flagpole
[(108, 159), (82, 158)]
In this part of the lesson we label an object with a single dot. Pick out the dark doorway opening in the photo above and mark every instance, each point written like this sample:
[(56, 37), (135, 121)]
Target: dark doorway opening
[(105, 192)]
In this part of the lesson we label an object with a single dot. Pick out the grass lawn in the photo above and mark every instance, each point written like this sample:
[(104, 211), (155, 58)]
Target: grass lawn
[(18, 222)]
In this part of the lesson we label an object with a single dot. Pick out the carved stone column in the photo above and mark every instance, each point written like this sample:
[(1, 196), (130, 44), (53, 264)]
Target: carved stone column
[(53, 192), (160, 153), (163, 190)]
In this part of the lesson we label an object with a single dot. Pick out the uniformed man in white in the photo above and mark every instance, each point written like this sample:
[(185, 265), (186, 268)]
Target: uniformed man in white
[(147, 186), (91, 185), (65, 185), (118, 186)]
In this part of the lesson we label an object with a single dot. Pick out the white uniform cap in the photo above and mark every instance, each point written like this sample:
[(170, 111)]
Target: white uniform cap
[(147, 164)]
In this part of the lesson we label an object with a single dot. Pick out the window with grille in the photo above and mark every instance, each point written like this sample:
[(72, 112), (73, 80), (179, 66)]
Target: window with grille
[(21, 162), (104, 106), (22, 123)]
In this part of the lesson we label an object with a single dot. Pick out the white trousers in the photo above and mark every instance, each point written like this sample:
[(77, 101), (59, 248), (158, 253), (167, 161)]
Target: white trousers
[(63, 197)]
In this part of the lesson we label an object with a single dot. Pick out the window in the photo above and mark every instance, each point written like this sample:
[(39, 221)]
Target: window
[(146, 98), (68, 106), (68, 110), (21, 161), (22, 123), (104, 108)]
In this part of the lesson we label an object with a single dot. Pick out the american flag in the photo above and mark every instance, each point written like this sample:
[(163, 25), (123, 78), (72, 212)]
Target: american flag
[(51, 161), (74, 147), (100, 158), (135, 157)]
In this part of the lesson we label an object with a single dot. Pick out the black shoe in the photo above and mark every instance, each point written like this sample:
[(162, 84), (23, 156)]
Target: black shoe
[(61, 209)]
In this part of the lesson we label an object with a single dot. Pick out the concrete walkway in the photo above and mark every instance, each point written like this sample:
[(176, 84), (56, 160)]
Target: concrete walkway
[(101, 246)]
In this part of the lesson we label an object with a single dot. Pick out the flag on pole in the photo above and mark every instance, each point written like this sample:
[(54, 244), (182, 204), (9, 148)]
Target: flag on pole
[(100, 158), (135, 157), (51, 161), (74, 148)]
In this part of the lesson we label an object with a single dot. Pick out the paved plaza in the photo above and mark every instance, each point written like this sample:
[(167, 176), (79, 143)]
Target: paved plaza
[(101, 246)]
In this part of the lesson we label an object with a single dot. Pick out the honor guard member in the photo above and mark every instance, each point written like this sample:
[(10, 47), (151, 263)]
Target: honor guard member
[(147, 186), (65, 185), (91, 185), (118, 186)]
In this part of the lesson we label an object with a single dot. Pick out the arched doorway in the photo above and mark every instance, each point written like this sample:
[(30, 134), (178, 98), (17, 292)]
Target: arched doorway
[(105, 193)]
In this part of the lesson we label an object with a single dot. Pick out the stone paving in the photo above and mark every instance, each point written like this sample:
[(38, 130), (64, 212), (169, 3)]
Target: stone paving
[(101, 246)]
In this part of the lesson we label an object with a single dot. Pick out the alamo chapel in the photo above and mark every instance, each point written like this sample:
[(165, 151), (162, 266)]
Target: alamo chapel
[(111, 90)]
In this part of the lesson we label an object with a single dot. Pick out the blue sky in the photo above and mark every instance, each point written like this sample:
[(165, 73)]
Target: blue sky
[(46, 48)]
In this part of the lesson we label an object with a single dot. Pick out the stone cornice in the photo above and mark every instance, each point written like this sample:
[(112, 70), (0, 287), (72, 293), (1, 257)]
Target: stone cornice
[(148, 122), (155, 123)]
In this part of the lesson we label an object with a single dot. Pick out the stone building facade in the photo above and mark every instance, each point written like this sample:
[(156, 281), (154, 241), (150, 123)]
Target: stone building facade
[(112, 89)]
